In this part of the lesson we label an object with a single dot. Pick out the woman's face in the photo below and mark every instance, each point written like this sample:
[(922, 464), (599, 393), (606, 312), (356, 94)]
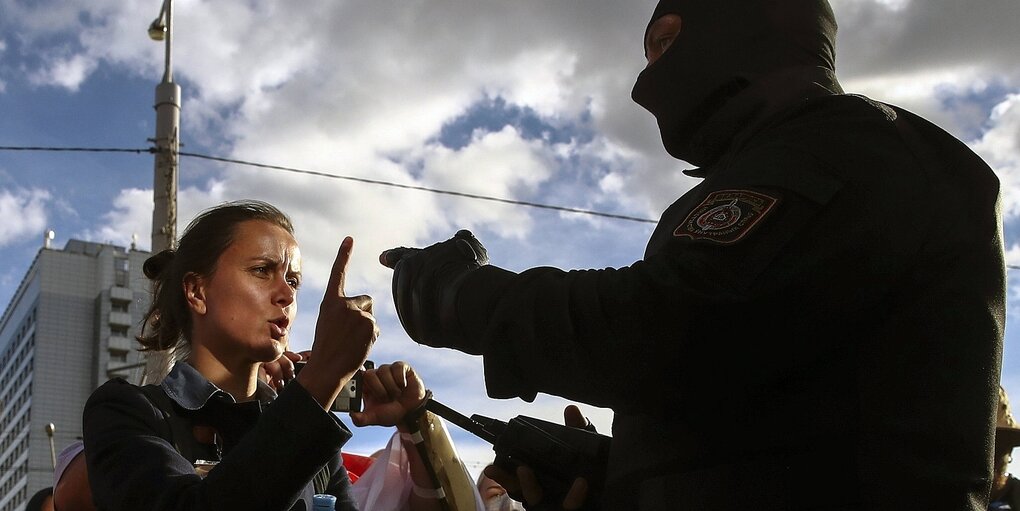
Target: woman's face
[(246, 307)]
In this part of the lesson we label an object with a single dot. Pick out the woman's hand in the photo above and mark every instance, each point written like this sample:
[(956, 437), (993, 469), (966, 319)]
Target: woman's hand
[(344, 333), (280, 371), (390, 392)]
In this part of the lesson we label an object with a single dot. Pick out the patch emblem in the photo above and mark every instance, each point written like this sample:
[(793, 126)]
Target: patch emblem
[(725, 216)]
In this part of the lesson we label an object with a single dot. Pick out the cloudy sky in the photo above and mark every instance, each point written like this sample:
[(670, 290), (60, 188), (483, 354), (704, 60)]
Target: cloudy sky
[(525, 100)]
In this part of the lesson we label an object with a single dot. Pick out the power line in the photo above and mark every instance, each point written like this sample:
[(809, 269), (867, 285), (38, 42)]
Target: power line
[(420, 188), (346, 178), (76, 149)]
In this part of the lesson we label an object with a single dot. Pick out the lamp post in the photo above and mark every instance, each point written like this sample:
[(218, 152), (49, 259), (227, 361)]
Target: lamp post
[(50, 430), (164, 186), (167, 140)]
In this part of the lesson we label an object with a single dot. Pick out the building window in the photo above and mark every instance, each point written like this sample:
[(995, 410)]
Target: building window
[(121, 271)]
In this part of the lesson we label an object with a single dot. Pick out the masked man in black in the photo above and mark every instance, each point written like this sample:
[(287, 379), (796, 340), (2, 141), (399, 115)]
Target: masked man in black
[(816, 325)]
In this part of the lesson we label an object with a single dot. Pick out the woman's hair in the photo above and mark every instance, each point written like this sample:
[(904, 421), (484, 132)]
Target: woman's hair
[(168, 319)]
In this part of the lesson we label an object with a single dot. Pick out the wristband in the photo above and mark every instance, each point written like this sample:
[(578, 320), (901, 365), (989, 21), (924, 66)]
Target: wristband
[(428, 493), (420, 409), (414, 438)]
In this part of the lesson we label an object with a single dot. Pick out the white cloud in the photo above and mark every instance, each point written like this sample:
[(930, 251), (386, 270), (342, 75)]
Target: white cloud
[(130, 219), (923, 91), (895, 5), (543, 78), (500, 164), (25, 214), (875, 38), (66, 72), (3, 48), (1013, 255), (1000, 147)]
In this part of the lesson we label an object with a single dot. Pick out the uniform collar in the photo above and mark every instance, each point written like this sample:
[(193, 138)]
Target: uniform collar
[(759, 105), (191, 391)]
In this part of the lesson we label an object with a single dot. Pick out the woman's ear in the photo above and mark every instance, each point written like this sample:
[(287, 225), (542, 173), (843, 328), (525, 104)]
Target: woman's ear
[(194, 292)]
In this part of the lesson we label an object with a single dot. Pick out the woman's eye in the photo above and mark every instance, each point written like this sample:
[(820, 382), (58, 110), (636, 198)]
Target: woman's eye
[(294, 282)]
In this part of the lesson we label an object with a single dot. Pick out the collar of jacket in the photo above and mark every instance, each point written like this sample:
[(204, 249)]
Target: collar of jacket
[(761, 104), (191, 391)]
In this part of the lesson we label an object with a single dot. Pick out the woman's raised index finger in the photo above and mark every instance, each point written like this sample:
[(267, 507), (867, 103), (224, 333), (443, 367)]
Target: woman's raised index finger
[(338, 275)]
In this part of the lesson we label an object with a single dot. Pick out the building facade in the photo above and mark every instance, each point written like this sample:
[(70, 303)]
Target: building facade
[(69, 327)]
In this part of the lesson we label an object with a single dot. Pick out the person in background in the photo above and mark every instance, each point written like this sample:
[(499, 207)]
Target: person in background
[(834, 285), (1005, 487), (495, 496), (213, 435), (71, 491), (42, 500)]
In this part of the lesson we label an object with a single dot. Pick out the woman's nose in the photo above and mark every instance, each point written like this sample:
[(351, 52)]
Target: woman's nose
[(285, 293)]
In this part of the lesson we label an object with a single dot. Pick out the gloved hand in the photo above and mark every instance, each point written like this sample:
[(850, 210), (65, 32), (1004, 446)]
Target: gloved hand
[(425, 285)]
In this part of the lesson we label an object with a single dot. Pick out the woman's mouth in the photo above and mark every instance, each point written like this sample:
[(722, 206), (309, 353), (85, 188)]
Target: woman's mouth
[(278, 328)]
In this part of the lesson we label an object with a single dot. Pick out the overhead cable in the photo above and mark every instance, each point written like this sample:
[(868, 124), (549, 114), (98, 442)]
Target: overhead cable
[(346, 178)]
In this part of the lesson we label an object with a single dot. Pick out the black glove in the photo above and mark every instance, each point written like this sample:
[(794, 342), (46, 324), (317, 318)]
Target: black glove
[(425, 284)]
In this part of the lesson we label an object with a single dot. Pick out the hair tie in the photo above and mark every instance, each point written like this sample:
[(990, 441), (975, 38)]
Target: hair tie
[(155, 265)]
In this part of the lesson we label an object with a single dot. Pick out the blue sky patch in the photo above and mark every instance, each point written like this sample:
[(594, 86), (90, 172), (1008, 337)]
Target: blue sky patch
[(972, 107), (493, 114)]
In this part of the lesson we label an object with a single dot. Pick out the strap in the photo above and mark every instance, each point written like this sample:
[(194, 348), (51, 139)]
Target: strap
[(321, 479)]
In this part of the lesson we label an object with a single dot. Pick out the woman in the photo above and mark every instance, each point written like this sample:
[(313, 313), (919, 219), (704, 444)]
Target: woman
[(212, 435)]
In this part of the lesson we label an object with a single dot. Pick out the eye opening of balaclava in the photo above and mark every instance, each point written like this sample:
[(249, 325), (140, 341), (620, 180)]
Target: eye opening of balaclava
[(723, 47)]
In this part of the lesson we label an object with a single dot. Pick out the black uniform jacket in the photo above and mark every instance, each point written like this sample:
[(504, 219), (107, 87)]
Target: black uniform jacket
[(1012, 496), (267, 454), (816, 325)]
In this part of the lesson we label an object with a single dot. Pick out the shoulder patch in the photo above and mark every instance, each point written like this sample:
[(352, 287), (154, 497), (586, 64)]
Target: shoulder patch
[(726, 216)]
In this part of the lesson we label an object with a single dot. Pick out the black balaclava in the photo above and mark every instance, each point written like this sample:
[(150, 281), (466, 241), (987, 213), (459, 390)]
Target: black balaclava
[(723, 47)]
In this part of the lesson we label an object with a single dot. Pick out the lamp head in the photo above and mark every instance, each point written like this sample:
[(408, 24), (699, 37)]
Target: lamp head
[(157, 29)]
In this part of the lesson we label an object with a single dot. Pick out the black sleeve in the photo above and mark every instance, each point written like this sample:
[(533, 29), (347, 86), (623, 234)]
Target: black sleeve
[(617, 337), (340, 486), (132, 466)]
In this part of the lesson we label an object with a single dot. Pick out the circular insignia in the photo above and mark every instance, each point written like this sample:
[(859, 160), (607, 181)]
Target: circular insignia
[(719, 217), (725, 216)]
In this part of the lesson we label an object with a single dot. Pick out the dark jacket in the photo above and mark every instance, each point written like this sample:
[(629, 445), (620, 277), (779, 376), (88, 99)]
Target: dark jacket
[(1011, 498), (816, 325), (267, 451)]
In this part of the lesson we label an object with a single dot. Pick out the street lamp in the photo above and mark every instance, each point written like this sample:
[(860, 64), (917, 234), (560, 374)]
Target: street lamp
[(164, 186), (167, 140), (50, 430)]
